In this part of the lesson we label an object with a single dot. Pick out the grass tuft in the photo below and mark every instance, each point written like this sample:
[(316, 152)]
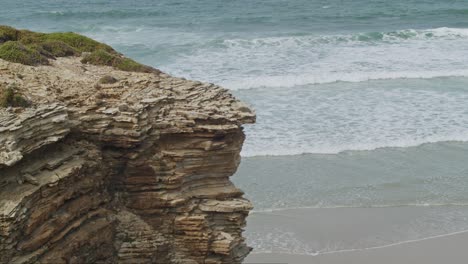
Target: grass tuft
[(102, 57), (107, 80), (56, 48), (10, 98), (8, 34), (76, 41), (16, 52)]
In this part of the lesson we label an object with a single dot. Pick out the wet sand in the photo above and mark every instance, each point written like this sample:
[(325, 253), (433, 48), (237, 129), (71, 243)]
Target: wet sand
[(360, 235), (448, 249)]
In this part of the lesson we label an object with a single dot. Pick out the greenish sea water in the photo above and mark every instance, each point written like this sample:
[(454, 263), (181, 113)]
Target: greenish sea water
[(360, 103)]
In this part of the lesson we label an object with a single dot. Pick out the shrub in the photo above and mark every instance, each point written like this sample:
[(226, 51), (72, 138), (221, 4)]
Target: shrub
[(102, 57), (107, 80), (126, 64), (57, 48), (79, 42), (16, 52), (7, 34), (9, 97), (99, 57)]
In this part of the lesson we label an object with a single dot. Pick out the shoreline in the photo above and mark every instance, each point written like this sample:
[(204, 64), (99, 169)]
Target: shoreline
[(369, 248), (431, 250), (395, 147), (332, 235), (273, 210)]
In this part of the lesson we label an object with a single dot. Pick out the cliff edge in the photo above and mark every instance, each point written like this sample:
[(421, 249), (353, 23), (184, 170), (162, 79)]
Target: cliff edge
[(102, 164)]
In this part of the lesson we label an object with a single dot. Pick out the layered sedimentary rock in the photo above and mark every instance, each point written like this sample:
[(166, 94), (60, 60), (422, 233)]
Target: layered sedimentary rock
[(134, 171)]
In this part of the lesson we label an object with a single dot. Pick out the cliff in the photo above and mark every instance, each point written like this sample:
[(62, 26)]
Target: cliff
[(102, 164)]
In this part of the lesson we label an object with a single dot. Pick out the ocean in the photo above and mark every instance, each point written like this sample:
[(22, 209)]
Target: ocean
[(360, 103)]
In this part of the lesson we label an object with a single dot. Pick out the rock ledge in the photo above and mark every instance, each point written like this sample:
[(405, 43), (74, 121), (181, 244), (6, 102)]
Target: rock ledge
[(133, 171)]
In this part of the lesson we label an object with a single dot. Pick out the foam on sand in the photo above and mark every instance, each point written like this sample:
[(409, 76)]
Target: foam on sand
[(341, 230)]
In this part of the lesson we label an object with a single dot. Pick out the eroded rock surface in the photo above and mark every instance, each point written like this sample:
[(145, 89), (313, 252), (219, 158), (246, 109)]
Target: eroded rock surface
[(136, 171)]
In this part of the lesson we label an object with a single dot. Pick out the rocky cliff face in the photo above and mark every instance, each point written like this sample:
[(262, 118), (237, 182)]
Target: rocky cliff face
[(133, 170)]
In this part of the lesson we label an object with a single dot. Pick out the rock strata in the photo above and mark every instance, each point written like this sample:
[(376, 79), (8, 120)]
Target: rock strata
[(130, 171)]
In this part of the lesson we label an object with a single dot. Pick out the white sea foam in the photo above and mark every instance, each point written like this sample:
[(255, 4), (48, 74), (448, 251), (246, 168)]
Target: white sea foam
[(444, 31), (275, 210), (288, 151), (333, 118), (298, 80), (315, 59), (407, 35)]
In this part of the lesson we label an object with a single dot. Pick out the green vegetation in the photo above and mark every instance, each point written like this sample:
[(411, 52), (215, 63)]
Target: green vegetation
[(7, 34), (32, 48), (55, 48), (76, 41), (9, 97), (102, 57), (107, 80), (16, 52)]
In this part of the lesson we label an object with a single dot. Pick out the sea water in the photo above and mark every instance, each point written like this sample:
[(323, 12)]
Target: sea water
[(360, 103)]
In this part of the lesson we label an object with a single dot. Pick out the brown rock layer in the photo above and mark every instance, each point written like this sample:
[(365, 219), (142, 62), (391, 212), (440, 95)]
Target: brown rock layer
[(136, 171)]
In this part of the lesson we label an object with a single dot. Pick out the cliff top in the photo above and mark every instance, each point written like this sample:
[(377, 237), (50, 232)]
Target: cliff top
[(33, 48), (97, 98)]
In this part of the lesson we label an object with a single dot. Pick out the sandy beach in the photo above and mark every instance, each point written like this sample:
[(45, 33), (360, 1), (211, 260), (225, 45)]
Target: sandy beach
[(401, 205), (446, 249), (359, 235)]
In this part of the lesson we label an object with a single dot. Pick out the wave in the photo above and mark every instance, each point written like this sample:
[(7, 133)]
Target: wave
[(344, 148), (273, 210), (353, 73), (335, 118), (110, 14), (399, 35), (301, 80), (247, 63)]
